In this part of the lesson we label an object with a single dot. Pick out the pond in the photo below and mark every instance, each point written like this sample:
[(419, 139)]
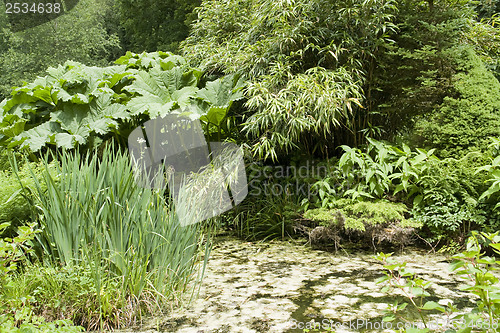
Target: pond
[(280, 286)]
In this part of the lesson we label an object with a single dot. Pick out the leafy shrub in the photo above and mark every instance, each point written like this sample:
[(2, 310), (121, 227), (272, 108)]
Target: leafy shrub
[(418, 71), (16, 312), (373, 221), (443, 194), (306, 62), (472, 266), (16, 188), (465, 119), (80, 105)]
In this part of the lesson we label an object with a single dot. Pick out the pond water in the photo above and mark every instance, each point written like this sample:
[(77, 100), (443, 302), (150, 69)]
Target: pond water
[(280, 286)]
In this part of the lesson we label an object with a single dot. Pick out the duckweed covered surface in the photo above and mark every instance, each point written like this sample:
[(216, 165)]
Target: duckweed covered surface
[(273, 286)]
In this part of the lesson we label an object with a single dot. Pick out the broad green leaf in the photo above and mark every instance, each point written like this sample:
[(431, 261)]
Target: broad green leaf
[(12, 125), (68, 141), (215, 115), (223, 91), (431, 305), (37, 137), (184, 96), (72, 119)]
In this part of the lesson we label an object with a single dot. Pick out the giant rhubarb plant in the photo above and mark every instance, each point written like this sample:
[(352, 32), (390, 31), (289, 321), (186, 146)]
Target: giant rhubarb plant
[(75, 104)]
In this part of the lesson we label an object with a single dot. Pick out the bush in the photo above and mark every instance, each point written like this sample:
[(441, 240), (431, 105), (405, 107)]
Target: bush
[(466, 118), (481, 282), (442, 194), (77, 105), (379, 221), (35, 324), (16, 187), (450, 191), (16, 309)]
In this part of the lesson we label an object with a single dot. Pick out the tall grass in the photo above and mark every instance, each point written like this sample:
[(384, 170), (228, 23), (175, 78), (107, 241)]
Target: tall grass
[(94, 215), (266, 216)]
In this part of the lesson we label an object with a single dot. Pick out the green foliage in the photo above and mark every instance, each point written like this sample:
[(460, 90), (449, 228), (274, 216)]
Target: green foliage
[(360, 215), (306, 62), (146, 61), (16, 189), (311, 65), (369, 175), (152, 25), (215, 101), (485, 37), (268, 212), (130, 237), (14, 250), (378, 213), (16, 313), (70, 106), (465, 120), (68, 292), (398, 277), (26, 54), (444, 193), (450, 197), (471, 265), (30, 323), (478, 269), (493, 175), (488, 8), (80, 105), (415, 81), (381, 169), (320, 215), (413, 75), (378, 221)]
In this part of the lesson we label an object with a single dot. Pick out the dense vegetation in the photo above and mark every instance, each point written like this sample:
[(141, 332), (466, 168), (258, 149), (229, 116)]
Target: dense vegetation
[(362, 122)]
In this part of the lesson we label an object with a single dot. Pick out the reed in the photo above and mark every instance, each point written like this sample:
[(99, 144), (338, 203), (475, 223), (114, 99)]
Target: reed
[(92, 213)]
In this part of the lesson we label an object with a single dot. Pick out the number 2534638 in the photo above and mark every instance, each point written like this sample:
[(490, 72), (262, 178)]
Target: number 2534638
[(33, 8)]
